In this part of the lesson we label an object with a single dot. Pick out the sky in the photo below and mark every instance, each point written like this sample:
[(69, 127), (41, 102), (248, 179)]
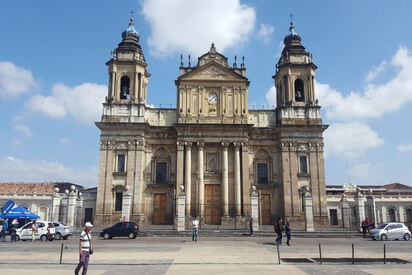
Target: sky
[(53, 77)]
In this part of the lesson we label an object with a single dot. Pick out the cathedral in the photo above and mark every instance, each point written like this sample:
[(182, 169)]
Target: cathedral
[(211, 147)]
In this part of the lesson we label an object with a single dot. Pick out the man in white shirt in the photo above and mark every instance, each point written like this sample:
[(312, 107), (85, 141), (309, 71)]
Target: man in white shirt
[(84, 249), (195, 230)]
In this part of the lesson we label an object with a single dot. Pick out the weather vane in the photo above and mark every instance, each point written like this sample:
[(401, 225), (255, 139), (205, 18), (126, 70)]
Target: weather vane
[(131, 13), (291, 17)]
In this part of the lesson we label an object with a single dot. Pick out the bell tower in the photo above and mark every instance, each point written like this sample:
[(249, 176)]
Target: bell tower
[(128, 77), (294, 80)]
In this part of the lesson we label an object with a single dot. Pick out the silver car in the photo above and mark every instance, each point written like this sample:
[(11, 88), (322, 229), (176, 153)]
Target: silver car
[(393, 231), (62, 230)]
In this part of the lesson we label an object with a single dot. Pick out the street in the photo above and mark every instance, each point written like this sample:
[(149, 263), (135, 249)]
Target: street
[(220, 255)]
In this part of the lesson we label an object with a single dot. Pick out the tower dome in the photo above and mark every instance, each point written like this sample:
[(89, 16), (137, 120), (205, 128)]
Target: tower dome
[(130, 31), (293, 36)]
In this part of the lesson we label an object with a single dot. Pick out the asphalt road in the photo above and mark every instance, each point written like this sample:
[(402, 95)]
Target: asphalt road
[(220, 255)]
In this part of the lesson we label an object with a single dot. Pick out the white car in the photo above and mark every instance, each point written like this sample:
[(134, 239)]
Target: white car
[(63, 231), (45, 231), (393, 230)]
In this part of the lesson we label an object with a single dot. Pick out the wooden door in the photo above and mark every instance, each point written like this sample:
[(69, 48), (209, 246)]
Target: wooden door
[(159, 209), (212, 204), (265, 209)]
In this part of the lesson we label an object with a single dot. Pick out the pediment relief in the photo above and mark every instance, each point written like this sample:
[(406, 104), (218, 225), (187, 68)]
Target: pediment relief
[(213, 73)]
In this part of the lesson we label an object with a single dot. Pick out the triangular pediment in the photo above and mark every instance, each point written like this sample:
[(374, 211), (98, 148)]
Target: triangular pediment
[(212, 71)]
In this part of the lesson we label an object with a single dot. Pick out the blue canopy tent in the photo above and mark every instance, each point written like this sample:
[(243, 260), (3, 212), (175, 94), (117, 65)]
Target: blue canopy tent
[(20, 212)]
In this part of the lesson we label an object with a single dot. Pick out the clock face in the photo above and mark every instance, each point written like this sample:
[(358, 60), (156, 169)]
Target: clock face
[(212, 98)]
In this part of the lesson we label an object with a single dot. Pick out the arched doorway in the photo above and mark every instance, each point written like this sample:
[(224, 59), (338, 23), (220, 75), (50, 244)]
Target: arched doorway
[(392, 216)]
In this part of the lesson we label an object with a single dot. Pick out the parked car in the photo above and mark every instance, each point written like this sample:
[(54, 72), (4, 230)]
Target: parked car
[(121, 229), (393, 230), (45, 231), (62, 230)]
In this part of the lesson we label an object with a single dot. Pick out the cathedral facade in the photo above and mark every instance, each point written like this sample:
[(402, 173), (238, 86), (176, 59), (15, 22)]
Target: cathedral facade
[(212, 144)]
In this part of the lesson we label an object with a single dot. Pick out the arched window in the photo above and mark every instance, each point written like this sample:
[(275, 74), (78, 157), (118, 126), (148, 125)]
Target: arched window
[(124, 87), (299, 92), (392, 217)]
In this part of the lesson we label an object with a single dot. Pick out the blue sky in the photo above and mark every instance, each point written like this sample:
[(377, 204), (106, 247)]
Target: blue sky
[(53, 75)]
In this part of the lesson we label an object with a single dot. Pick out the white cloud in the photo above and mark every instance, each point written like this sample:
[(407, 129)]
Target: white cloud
[(36, 170), (375, 100), (271, 96), (265, 32), (15, 80), (192, 25), (404, 148), (375, 72), (350, 139), (24, 129), (83, 102)]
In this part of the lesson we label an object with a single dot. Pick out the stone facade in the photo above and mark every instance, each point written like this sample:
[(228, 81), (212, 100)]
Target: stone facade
[(211, 143), (58, 201)]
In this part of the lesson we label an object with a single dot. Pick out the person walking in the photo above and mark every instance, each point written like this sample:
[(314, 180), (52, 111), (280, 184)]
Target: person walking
[(13, 230), (33, 230), (195, 229), (124, 219), (367, 223), (363, 228), (4, 230), (278, 229), (85, 249), (251, 226), (287, 231)]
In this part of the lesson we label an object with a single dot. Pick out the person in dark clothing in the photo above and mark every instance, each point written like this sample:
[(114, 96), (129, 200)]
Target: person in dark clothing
[(13, 230), (287, 231), (278, 226), (4, 230), (367, 223), (251, 226), (363, 228)]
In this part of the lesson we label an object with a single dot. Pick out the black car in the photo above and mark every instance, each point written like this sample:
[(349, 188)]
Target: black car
[(121, 229)]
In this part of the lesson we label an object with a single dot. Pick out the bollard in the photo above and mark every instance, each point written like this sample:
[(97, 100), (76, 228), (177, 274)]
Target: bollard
[(353, 254), (277, 245), (320, 254), (61, 253), (384, 253)]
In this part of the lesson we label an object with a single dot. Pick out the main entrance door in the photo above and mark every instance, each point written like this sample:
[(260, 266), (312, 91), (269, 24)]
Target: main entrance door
[(159, 209), (265, 207), (212, 203)]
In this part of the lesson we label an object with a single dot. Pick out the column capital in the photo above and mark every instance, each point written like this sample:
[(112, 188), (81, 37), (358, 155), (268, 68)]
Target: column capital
[(201, 144), (188, 145), (319, 146), (112, 144), (103, 145), (180, 145), (225, 145), (245, 146), (237, 145)]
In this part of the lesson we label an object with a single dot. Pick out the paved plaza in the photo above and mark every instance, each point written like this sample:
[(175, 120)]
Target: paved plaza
[(217, 255)]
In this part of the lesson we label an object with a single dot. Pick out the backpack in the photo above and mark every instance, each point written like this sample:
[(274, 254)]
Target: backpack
[(276, 227)]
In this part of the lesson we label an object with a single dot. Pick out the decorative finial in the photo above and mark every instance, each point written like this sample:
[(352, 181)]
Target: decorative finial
[(131, 15), (189, 61), (243, 62), (291, 18), (235, 64), (181, 60)]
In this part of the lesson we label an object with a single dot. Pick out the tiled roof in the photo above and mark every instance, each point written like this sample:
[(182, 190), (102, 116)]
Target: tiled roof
[(397, 186), (39, 188)]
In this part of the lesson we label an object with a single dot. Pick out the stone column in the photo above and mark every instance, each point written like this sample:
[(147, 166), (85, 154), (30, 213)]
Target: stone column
[(245, 178), (188, 176), (346, 215), (401, 216), (201, 183), (360, 209), (179, 166), (370, 199), (254, 208), (308, 204), (71, 207), (126, 203), (181, 198), (384, 214), (56, 200), (237, 180), (225, 180)]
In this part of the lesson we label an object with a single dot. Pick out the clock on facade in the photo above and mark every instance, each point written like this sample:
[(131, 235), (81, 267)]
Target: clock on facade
[(212, 98)]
